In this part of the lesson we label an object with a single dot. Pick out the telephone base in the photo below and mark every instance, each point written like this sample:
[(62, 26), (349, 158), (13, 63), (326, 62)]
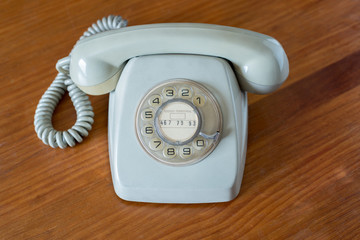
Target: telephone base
[(136, 175)]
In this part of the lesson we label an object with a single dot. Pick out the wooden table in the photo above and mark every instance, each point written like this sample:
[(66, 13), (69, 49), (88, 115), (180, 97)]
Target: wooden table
[(302, 175)]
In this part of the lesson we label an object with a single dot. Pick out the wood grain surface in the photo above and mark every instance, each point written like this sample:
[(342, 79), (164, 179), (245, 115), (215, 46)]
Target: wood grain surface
[(302, 174)]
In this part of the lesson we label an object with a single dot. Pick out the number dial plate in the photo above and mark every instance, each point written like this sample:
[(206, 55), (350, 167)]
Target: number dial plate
[(186, 121)]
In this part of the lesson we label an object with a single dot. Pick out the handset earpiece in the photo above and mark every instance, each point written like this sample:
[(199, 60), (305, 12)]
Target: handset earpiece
[(259, 61)]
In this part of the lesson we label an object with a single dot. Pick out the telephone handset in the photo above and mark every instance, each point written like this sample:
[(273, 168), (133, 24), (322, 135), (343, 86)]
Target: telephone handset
[(259, 61), (178, 106)]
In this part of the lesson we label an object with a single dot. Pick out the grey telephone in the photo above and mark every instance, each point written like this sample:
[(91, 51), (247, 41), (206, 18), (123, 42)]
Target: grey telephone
[(178, 106)]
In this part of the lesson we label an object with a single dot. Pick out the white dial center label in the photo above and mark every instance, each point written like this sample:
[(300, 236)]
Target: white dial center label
[(178, 121)]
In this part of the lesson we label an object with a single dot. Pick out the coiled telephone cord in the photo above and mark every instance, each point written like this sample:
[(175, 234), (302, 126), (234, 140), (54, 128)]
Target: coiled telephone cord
[(63, 83)]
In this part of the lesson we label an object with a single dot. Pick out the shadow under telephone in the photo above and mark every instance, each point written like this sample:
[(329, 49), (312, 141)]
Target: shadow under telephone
[(178, 107)]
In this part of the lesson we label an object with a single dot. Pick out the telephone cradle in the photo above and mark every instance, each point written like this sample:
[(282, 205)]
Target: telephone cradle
[(178, 112)]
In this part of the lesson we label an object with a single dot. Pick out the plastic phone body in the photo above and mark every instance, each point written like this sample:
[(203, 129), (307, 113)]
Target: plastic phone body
[(178, 105)]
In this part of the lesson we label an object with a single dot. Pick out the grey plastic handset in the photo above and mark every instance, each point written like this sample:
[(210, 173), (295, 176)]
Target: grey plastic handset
[(259, 61)]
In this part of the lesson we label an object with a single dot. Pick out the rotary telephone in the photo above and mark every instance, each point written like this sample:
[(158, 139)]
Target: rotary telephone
[(177, 124)]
